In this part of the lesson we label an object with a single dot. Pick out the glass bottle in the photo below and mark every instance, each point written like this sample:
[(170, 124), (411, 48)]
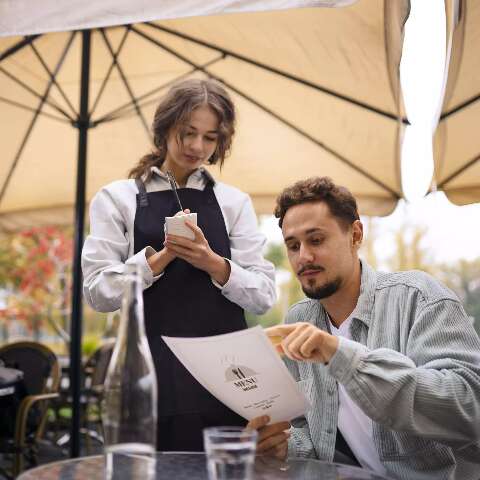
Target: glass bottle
[(129, 410)]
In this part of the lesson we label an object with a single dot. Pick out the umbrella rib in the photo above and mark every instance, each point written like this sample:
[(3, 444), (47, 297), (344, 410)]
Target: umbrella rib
[(18, 46), (45, 66), (109, 72), (463, 105), (31, 109), (272, 113), (279, 72), (126, 83), (43, 100), (457, 172), (117, 112), (35, 94)]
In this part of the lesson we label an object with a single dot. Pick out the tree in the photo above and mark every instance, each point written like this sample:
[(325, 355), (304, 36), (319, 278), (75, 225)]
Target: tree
[(410, 254), (463, 278), (35, 266), (288, 288)]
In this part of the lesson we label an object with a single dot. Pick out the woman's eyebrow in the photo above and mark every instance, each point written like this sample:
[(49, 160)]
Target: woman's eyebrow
[(210, 131)]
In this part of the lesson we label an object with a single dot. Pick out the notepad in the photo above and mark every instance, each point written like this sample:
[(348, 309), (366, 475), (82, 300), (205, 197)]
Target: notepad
[(176, 225)]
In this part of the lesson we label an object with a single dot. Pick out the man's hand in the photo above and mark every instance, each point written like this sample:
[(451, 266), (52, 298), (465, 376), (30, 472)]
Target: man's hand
[(272, 439), (304, 342)]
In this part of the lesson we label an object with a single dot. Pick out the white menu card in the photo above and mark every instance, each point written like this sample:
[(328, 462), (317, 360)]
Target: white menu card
[(244, 371)]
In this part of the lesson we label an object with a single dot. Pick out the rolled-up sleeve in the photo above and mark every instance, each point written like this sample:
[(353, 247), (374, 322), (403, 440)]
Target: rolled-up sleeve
[(105, 254), (252, 278)]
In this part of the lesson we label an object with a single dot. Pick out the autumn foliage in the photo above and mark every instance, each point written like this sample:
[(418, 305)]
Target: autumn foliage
[(35, 266)]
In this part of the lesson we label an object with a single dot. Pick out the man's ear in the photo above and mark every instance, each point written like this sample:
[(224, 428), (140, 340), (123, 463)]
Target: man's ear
[(357, 234)]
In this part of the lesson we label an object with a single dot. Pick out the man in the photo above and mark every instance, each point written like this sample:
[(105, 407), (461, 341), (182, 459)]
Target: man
[(393, 361)]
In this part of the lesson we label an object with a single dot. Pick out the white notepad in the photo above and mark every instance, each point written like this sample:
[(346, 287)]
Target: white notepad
[(176, 225)]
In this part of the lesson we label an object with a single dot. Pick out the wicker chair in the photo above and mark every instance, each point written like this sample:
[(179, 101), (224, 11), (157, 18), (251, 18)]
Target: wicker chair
[(91, 395), (41, 381)]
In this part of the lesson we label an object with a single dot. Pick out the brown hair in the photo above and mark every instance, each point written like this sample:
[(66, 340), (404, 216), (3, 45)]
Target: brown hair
[(175, 109), (340, 201)]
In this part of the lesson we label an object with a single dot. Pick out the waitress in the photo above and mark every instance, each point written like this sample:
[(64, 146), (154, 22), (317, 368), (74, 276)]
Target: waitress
[(192, 288)]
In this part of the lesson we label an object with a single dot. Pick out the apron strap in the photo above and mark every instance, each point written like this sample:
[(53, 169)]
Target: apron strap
[(142, 192)]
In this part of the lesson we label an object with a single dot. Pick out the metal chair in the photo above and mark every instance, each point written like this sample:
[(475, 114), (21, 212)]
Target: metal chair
[(41, 381), (94, 373)]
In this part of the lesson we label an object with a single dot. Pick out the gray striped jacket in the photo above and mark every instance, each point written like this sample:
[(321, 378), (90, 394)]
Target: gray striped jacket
[(413, 367)]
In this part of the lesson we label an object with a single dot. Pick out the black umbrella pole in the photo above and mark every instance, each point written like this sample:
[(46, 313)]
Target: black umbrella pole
[(76, 323)]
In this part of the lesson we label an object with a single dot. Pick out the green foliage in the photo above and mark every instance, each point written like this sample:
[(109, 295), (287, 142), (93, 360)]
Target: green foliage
[(89, 344), (290, 291), (463, 278), (276, 254)]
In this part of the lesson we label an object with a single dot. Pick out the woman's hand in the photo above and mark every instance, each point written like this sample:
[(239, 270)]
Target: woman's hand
[(158, 261), (304, 342), (198, 253)]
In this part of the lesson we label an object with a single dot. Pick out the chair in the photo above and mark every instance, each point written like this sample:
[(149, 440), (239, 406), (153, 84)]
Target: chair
[(41, 381), (94, 373)]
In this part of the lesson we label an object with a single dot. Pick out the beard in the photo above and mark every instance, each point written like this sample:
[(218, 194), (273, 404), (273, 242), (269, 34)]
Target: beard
[(322, 291)]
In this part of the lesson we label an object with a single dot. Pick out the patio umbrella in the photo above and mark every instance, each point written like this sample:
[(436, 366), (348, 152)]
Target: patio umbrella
[(317, 92), (457, 143)]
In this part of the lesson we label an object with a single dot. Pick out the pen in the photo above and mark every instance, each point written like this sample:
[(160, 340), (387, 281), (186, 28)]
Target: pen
[(173, 184)]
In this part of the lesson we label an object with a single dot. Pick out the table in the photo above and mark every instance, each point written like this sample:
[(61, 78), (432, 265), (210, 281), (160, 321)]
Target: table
[(192, 466)]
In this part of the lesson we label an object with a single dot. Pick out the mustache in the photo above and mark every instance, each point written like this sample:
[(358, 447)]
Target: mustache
[(317, 268)]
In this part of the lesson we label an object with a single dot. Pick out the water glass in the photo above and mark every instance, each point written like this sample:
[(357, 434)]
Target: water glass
[(230, 452)]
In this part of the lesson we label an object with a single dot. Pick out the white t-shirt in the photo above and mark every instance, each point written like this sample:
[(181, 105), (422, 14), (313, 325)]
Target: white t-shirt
[(355, 426)]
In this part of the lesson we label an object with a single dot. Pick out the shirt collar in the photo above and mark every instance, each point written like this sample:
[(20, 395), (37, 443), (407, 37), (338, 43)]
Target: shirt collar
[(364, 308), (196, 174)]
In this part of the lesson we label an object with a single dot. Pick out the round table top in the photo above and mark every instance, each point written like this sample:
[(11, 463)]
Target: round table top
[(183, 466)]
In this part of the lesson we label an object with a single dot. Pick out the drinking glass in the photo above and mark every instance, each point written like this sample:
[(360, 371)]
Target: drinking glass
[(230, 452)]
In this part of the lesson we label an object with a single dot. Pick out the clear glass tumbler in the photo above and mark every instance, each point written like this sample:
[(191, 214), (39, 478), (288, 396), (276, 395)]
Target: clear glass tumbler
[(230, 452)]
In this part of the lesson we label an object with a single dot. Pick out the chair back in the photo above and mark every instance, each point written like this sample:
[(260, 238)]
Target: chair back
[(37, 362), (98, 363)]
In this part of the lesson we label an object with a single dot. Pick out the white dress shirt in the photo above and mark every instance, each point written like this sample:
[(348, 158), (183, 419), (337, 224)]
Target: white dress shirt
[(110, 245), (356, 427)]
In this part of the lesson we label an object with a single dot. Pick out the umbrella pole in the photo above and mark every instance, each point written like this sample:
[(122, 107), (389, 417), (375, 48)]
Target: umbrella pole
[(76, 322)]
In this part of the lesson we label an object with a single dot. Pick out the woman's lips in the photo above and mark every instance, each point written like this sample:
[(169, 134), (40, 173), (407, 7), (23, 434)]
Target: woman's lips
[(192, 158)]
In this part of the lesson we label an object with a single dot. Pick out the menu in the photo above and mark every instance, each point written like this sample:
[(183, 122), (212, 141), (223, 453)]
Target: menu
[(244, 371)]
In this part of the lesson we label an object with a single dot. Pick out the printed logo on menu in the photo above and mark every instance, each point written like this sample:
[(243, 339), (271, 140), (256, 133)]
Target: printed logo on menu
[(243, 377)]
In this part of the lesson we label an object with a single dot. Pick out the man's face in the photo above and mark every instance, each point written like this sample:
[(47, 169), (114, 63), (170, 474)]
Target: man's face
[(322, 253)]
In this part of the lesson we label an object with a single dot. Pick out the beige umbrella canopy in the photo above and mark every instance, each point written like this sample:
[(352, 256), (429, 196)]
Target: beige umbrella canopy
[(317, 92), (457, 142)]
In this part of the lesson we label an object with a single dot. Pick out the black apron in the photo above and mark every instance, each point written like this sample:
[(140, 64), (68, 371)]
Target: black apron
[(184, 302)]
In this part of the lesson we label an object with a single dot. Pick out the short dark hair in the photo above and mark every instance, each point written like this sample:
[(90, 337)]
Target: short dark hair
[(340, 201)]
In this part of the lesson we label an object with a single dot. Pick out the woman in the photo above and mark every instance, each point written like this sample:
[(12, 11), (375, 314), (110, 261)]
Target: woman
[(192, 288)]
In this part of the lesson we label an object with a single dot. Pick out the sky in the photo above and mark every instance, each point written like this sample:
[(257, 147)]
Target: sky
[(452, 231)]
